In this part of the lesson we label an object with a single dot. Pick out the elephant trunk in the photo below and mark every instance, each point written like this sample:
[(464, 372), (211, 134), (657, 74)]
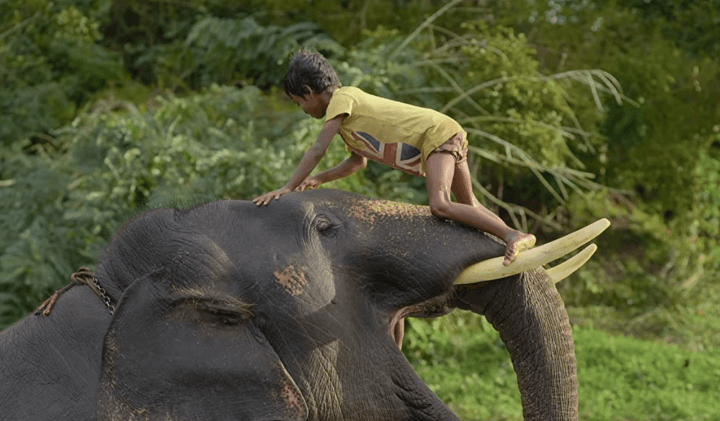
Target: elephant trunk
[(530, 316)]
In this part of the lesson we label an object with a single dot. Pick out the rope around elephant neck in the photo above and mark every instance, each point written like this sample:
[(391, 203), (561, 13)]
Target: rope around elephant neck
[(83, 276)]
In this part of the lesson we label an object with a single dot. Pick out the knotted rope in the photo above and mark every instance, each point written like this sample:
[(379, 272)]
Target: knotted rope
[(83, 276)]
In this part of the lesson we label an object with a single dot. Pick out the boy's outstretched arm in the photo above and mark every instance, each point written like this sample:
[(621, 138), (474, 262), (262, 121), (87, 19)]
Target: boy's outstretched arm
[(308, 162), (349, 166)]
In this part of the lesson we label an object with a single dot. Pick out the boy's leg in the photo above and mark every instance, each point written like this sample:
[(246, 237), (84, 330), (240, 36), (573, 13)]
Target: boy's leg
[(463, 191), (462, 185), (441, 172)]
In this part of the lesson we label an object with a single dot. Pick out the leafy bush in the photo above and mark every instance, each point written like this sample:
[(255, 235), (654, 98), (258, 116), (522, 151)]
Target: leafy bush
[(659, 152), (35, 255), (52, 63), (225, 51), (652, 275)]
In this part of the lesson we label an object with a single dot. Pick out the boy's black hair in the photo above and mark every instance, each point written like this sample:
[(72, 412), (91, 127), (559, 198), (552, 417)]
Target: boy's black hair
[(311, 70)]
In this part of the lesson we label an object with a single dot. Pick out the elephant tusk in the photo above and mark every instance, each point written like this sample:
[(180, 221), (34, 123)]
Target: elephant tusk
[(567, 268), (491, 269)]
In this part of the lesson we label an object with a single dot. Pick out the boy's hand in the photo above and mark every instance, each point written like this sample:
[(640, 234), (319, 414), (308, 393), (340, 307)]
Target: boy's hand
[(309, 183), (267, 197)]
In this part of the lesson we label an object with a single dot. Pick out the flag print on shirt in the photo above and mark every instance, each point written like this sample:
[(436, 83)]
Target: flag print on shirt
[(398, 155)]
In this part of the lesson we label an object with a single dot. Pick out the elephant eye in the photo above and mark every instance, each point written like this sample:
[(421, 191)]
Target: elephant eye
[(211, 312), (325, 226), (221, 316)]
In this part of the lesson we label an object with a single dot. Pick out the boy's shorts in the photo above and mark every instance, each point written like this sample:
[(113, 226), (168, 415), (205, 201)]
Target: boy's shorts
[(456, 147)]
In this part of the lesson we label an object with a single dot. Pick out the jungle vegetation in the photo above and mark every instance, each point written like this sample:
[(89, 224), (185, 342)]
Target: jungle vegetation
[(575, 110)]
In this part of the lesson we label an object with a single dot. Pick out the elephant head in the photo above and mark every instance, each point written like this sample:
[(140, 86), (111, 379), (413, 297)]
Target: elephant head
[(232, 311)]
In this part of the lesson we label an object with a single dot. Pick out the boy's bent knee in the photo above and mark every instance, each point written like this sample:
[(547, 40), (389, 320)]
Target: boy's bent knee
[(440, 208)]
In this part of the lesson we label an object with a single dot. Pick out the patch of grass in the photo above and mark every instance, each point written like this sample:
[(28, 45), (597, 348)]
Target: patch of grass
[(623, 378), (620, 378), (691, 327)]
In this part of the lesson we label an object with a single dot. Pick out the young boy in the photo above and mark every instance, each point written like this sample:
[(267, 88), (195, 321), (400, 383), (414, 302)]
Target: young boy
[(416, 140)]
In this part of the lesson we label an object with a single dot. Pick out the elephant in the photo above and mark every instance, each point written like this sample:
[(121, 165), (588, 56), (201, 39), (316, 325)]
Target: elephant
[(227, 310)]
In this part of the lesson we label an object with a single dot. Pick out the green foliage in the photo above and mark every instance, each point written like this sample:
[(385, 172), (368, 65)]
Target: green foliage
[(654, 142), (34, 256), (192, 45), (631, 277), (689, 24), (375, 66), (55, 56), (646, 285), (51, 62), (345, 20), (227, 51), (206, 143)]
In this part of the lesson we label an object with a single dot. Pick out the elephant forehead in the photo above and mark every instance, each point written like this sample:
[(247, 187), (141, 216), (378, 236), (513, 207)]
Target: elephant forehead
[(369, 210), (210, 255)]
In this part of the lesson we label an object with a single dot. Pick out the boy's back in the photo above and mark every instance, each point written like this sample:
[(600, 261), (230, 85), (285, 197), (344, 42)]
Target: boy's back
[(397, 134)]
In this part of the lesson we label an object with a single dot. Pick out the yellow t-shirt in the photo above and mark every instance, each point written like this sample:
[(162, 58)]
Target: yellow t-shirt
[(394, 133)]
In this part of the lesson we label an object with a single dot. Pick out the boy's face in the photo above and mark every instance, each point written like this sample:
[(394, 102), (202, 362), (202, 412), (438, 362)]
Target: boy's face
[(312, 104)]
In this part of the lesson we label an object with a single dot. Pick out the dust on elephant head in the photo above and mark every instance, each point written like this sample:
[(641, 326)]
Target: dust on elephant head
[(232, 311)]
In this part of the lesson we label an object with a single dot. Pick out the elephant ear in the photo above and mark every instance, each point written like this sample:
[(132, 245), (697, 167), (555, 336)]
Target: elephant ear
[(187, 354)]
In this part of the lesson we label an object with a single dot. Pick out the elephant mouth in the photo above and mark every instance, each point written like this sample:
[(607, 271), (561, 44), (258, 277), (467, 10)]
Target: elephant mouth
[(435, 307), (397, 325)]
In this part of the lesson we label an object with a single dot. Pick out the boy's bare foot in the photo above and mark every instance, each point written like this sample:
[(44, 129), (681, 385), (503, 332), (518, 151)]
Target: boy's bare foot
[(516, 243)]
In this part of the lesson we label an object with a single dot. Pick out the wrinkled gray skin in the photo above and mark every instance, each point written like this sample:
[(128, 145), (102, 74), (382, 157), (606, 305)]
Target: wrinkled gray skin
[(233, 311)]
